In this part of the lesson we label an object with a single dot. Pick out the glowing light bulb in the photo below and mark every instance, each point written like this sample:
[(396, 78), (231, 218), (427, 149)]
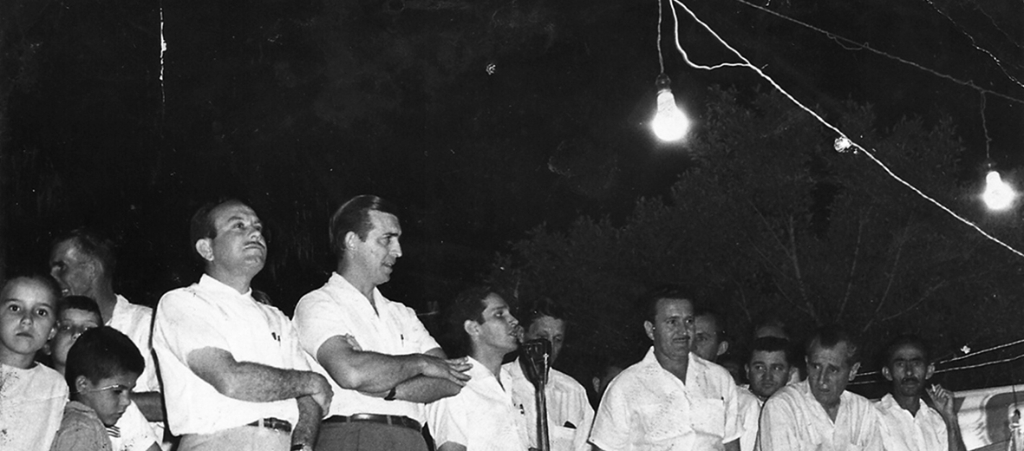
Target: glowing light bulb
[(670, 123), (998, 195)]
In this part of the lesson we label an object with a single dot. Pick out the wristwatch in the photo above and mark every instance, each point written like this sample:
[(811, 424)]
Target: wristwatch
[(302, 447)]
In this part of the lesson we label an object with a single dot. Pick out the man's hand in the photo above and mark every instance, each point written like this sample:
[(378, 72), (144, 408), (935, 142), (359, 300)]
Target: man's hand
[(321, 391), (453, 370), (943, 400)]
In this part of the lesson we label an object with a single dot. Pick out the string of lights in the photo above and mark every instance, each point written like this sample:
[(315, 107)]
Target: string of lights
[(843, 143)]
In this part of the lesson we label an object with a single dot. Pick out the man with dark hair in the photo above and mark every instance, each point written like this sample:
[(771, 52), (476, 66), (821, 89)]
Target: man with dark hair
[(83, 263), (568, 410), (483, 415), (233, 372), (710, 340), (907, 422), (768, 370), (819, 414), (378, 357), (671, 399)]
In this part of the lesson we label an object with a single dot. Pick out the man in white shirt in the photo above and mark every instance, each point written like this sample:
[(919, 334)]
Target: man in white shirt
[(483, 415), (378, 357), (569, 412), (234, 375), (672, 399), (768, 370), (84, 263), (818, 414), (907, 422)]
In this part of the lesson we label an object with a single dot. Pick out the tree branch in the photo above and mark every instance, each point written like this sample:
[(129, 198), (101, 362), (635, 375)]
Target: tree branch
[(853, 269)]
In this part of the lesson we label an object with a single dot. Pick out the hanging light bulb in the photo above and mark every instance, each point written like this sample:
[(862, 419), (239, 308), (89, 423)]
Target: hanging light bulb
[(998, 195), (670, 123)]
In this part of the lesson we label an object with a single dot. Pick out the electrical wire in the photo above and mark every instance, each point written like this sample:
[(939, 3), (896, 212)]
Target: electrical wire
[(746, 63), (838, 38)]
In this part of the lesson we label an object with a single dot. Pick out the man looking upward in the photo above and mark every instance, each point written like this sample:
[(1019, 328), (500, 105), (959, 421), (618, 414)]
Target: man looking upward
[(382, 363), (908, 423), (233, 373)]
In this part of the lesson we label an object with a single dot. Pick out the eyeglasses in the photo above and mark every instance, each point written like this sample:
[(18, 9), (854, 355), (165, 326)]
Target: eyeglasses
[(116, 387)]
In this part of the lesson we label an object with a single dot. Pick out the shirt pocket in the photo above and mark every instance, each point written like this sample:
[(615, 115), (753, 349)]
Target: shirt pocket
[(709, 416), (561, 437)]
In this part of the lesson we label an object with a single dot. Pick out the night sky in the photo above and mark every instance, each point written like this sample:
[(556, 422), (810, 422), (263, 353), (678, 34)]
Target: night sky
[(296, 106)]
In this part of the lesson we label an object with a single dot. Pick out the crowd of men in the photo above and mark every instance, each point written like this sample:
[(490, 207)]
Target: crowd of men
[(218, 368)]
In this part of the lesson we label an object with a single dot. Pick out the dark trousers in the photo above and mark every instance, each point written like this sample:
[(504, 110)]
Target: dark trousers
[(368, 437)]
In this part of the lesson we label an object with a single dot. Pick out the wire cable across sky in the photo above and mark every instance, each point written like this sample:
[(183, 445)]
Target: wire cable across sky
[(842, 136)]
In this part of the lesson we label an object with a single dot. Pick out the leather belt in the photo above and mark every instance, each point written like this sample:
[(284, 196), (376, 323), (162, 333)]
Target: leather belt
[(272, 423), (392, 420)]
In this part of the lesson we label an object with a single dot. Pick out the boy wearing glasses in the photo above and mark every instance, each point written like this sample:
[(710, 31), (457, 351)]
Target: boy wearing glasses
[(101, 369)]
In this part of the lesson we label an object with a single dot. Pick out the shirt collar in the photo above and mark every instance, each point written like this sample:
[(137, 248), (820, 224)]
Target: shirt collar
[(209, 283), (341, 282)]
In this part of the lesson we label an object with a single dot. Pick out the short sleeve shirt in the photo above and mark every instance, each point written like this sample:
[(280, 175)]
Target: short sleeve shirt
[(902, 431), (81, 429), (482, 416), (648, 408), (750, 413), (136, 321), (569, 413), (31, 405), (338, 308), (792, 420), (210, 314)]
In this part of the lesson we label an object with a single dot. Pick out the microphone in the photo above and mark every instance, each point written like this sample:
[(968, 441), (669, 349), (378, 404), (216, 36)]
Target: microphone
[(535, 356)]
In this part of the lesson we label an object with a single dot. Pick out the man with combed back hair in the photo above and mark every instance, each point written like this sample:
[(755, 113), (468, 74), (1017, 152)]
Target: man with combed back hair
[(818, 414), (382, 363)]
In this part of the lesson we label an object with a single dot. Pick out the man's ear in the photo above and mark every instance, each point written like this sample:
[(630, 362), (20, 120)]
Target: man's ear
[(204, 247), (596, 383), (350, 240), (649, 328), (471, 327), (722, 347), (930, 371), (853, 370), (887, 373)]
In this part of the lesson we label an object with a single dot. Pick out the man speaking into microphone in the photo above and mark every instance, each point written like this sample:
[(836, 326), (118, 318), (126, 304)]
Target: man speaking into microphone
[(482, 416)]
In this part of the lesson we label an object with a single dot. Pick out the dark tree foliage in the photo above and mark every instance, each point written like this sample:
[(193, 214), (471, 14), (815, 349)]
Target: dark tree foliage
[(773, 222)]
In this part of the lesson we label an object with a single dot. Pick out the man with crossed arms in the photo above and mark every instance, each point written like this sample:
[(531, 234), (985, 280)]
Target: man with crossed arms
[(234, 376), (382, 363)]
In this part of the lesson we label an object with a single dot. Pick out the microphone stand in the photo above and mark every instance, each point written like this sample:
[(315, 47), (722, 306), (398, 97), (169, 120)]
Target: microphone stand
[(535, 355)]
